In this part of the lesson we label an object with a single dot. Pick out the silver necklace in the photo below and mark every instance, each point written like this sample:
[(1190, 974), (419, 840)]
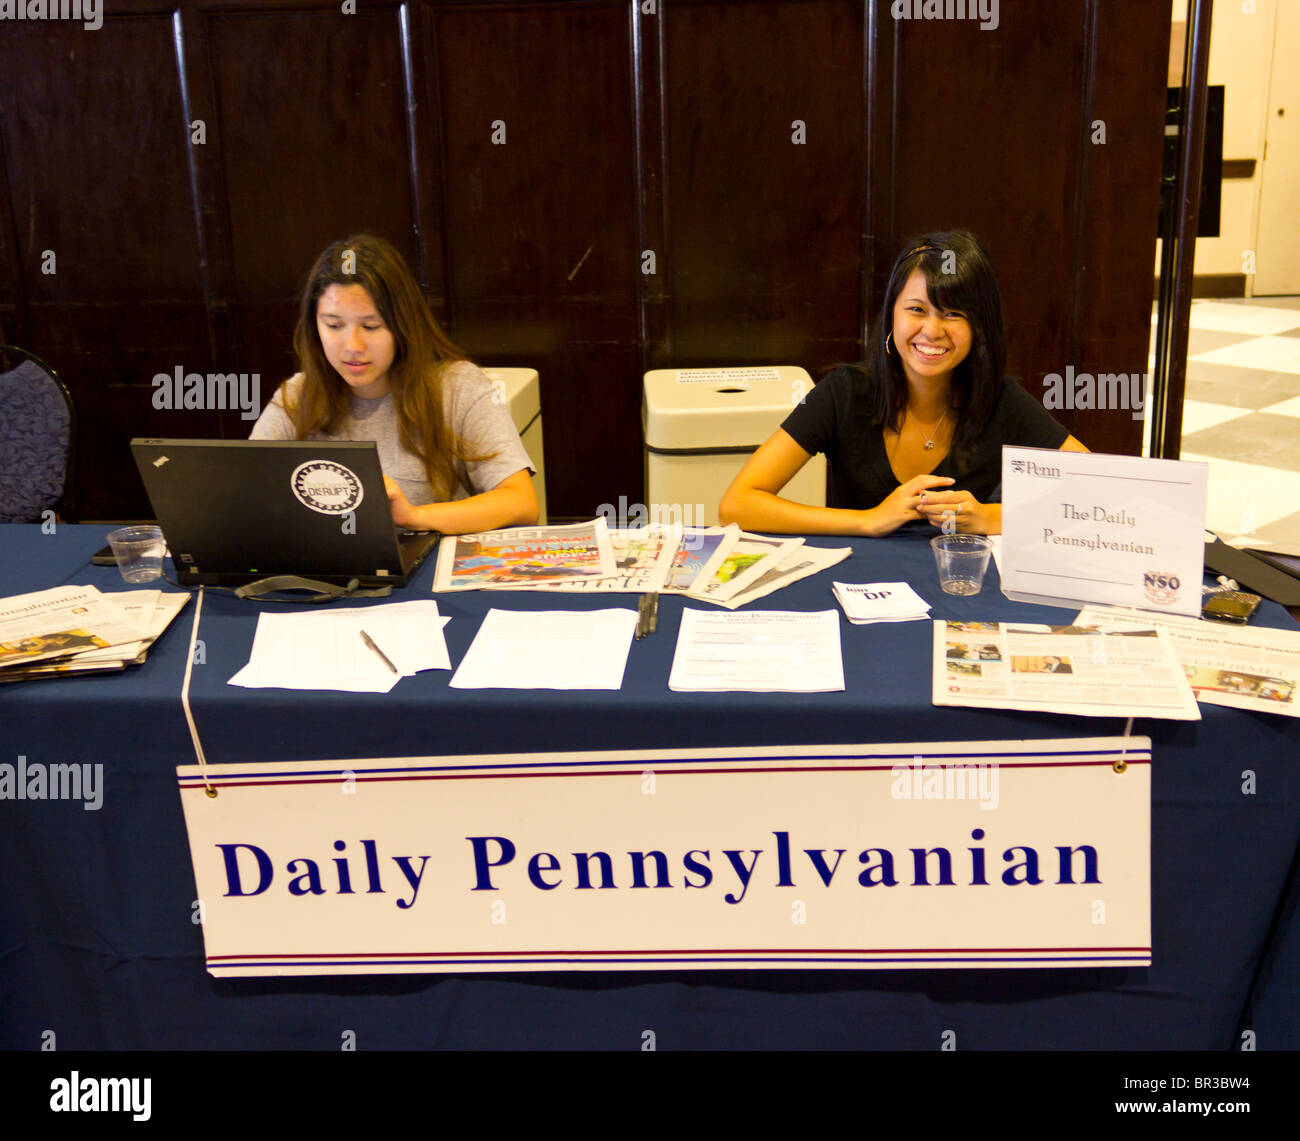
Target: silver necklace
[(929, 440)]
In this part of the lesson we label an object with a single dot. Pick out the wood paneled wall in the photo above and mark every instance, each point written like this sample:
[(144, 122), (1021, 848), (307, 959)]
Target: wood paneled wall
[(771, 154)]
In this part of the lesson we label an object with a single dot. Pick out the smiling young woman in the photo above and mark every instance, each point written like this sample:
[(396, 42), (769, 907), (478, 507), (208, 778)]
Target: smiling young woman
[(914, 433), (376, 366)]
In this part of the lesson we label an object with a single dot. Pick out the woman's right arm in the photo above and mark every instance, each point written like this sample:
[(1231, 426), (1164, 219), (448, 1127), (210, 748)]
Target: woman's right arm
[(752, 500)]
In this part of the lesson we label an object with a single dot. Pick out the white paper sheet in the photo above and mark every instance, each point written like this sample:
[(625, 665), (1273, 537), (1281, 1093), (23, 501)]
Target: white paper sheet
[(759, 651), (324, 649), (548, 649)]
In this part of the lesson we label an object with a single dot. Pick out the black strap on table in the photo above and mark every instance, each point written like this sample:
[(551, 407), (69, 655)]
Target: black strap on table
[(322, 591), (1252, 573)]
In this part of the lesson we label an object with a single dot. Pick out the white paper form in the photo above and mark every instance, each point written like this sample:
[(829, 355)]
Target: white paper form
[(325, 649), (548, 649), (760, 651)]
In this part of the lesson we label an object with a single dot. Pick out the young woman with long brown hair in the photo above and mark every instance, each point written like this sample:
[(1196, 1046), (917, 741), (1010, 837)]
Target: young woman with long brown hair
[(376, 366), (914, 433)]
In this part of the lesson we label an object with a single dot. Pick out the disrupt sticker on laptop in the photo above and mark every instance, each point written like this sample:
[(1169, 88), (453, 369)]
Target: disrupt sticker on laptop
[(327, 487)]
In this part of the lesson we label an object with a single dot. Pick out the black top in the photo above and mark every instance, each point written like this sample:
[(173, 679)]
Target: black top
[(835, 419)]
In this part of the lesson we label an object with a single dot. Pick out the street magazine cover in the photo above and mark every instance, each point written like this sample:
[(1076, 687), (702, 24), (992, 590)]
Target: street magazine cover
[(523, 557)]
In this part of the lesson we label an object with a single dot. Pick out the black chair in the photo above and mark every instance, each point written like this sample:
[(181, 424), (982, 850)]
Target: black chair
[(38, 439)]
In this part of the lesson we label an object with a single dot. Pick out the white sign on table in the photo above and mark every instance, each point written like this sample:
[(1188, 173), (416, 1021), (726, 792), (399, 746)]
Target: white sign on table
[(1121, 530), (930, 855)]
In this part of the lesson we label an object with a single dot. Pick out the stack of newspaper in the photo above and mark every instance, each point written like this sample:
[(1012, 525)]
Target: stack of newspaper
[(78, 629), (721, 565), (867, 602)]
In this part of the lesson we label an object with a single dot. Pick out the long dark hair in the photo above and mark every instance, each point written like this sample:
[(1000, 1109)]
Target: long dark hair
[(421, 351), (958, 275)]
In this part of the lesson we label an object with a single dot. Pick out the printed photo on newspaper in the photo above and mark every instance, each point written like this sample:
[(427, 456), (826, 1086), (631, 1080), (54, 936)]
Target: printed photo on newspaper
[(522, 557), (699, 554), (1238, 666), (1060, 669)]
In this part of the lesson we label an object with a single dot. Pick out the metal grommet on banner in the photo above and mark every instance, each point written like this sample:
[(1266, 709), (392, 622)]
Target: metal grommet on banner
[(1121, 765)]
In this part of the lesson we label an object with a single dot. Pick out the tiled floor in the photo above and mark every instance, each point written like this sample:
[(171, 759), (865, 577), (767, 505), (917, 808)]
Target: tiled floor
[(1242, 416)]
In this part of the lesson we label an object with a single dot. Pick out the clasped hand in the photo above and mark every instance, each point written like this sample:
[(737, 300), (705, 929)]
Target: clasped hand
[(927, 497)]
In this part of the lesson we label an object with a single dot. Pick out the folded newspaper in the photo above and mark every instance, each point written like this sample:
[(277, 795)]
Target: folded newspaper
[(524, 557), (80, 629), (1060, 669), (721, 565), (1238, 666), (643, 556)]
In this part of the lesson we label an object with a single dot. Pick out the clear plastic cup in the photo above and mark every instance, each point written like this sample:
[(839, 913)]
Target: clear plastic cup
[(962, 561), (139, 552)]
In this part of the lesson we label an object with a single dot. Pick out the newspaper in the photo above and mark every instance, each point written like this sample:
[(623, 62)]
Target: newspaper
[(642, 559), (62, 621), (800, 563), (524, 557), (1229, 665), (152, 610), (750, 558), (94, 639), (1059, 669), (699, 554)]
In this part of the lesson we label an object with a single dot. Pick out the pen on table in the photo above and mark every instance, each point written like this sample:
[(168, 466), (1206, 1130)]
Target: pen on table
[(642, 615), (654, 612), (369, 641)]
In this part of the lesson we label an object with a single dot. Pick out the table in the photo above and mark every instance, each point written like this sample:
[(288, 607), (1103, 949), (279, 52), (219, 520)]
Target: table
[(98, 942)]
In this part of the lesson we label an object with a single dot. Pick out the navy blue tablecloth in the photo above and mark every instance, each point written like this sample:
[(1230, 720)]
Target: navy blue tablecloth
[(97, 935)]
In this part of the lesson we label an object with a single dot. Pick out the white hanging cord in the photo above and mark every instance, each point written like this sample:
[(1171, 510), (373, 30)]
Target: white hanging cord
[(185, 697)]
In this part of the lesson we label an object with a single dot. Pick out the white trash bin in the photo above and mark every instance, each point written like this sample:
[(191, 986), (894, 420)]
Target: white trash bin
[(702, 424), (520, 389)]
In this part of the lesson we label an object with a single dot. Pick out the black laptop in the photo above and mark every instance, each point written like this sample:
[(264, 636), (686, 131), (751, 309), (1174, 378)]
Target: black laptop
[(235, 511)]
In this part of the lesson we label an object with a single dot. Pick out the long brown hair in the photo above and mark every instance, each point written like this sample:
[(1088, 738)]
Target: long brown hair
[(421, 353)]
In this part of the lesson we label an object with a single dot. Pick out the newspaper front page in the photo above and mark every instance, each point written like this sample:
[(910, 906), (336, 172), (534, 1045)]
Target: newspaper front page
[(642, 559), (1060, 669), (523, 557), (1229, 665)]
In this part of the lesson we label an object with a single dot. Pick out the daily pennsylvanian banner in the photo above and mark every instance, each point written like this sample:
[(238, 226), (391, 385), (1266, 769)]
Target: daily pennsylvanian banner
[(937, 855)]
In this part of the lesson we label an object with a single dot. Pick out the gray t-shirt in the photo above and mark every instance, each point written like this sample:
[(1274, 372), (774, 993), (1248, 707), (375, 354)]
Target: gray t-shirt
[(473, 409)]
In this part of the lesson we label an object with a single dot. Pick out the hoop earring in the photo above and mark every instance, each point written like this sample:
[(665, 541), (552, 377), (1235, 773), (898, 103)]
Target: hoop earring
[(888, 346)]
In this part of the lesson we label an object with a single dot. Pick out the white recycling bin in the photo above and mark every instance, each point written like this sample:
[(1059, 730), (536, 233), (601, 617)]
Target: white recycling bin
[(520, 389), (702, 424)]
